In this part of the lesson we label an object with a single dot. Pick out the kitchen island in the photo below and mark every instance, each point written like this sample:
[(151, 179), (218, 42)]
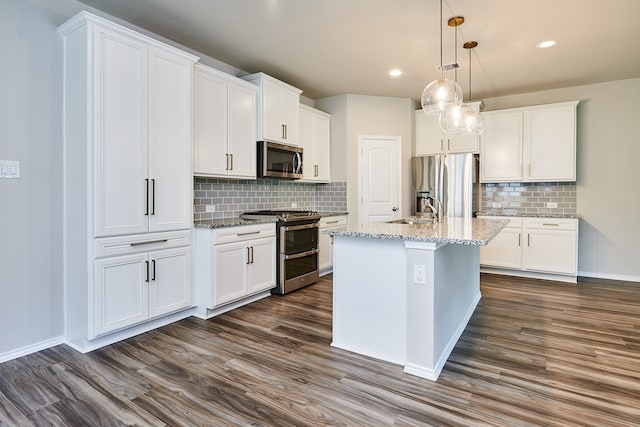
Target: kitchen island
[(404, 293)]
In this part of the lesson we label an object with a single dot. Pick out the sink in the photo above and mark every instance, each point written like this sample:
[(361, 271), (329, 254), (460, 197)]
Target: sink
[(412, 220)]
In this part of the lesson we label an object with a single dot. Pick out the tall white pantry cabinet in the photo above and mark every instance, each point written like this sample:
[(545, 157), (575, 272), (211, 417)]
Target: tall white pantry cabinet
[(127, 181)]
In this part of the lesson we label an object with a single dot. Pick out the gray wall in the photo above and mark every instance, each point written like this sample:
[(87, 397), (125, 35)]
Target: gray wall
[(354, 115), (31, 291), (608, 173)]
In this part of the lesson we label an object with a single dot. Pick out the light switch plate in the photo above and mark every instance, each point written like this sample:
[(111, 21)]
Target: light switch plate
[(210, 208), (552, 205), (9, 169)]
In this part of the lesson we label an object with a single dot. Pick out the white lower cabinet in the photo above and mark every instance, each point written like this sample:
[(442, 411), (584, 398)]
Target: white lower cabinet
[(233, 264), (548, 246), (140, 285), (325, 256)]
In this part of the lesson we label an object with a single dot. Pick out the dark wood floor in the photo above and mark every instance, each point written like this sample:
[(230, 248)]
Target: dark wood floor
[(534, 353)]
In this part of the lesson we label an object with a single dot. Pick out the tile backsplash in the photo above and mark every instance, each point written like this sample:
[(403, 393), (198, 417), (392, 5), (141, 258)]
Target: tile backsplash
[(232, 197), (529, 198)]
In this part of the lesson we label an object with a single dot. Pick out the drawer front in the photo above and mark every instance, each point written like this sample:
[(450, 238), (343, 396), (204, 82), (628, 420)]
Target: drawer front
[(551, 223), (514, 222), (243, 232), (333, 221), (124, 245)]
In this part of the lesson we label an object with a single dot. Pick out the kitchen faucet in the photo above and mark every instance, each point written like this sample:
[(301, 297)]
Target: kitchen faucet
[(437, 212)]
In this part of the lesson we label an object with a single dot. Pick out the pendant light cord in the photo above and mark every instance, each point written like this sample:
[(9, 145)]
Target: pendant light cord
[(441, 69), (470, 98)]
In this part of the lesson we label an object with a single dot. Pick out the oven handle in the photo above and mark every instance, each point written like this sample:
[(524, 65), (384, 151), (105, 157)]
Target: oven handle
[(302, 254), (300, 227)]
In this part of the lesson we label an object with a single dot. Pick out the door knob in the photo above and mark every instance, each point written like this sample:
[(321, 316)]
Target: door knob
[(395, 209)]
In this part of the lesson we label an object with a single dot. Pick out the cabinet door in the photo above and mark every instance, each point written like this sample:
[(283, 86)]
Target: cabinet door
[(504, 250), (550, 143), (429, 136), (307, 142), (170, 141), (242, 131), (121, 292), (290, 115), (120, 132), (325, 256), (229, 272), (462, 143), (501, 148), (169, 281), (263, 267), (210, 125), (272, 126), (552, 251), (322, 152)]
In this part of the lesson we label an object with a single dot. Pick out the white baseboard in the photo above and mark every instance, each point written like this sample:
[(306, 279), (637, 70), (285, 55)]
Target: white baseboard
[(607, 276), (363, 352), (530, 274), (32, 348)]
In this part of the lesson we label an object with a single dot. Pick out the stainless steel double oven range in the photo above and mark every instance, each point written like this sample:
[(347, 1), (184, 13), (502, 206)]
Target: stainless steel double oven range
[(297, 236)]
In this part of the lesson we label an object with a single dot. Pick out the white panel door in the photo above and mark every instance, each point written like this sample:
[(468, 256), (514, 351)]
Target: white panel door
[(504, 250), (210, 124), (170, 281), (290, 115), (230, 263), (501, 148), (170, 142), (121, 292), (429, 136), (263, 266), (271, 124), (550, 143), (120, 119), (322, 152), (380, 179), (552, 251), (242, 131)]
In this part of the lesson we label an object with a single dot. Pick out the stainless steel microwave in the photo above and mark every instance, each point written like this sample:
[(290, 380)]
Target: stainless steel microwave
[(279, 160)]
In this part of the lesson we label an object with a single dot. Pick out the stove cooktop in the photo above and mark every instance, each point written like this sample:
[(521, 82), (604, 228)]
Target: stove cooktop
[(282, 215)]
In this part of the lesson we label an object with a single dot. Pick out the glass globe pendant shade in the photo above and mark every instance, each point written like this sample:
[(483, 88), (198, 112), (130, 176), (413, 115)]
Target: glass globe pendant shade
[(453, 119), (439, 95), (473, 122)]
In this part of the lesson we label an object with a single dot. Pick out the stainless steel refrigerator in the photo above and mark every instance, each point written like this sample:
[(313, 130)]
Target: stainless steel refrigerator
[(446, 178)]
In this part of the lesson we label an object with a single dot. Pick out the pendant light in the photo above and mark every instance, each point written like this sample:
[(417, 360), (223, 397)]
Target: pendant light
[(441, 93), (451, 120), (473, 120)]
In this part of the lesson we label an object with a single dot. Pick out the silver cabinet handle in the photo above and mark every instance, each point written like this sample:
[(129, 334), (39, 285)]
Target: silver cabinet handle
[(226, 161), (332, 222), (528, 239), (448, 144), (231, 161), (550, 225), (518, 239), (150, 242), (247, 234), (284, 131), (248, 255)]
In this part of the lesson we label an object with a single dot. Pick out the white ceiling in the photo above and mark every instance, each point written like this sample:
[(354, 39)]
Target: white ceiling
[(331, 47)]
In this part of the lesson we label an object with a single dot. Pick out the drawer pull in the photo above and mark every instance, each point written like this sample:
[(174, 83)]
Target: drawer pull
[(518, 239), (247, 234), (550, 225), (332, 222), (148, 243)]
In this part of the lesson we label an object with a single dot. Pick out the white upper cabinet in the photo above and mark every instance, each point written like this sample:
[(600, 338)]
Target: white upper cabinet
[(530, 144), (431, 140), (224, 125), (278, 109), (315, 130), (131, 97)]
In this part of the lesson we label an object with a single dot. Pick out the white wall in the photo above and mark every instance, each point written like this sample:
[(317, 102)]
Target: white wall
[(608, 196), (354, 115), (31, 291)]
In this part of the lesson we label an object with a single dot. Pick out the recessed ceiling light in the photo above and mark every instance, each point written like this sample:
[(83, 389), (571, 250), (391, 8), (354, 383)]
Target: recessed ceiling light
[(395, 72), (546, 43)]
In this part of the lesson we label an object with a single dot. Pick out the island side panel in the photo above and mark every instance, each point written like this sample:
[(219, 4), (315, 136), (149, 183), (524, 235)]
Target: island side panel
[(439, 310), (369, 297)]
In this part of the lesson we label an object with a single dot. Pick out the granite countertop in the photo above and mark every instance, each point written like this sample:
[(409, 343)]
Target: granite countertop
[(528, 215), (461, 231), (229, 222), (331, 213)]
